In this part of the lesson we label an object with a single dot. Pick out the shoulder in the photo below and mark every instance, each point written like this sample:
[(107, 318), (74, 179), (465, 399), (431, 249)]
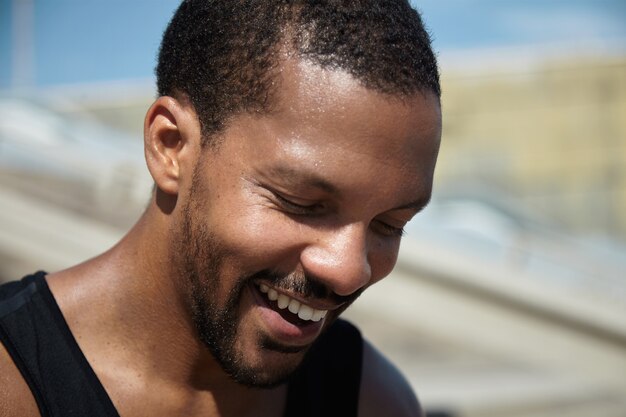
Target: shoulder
[(384, 390), (16, 399)]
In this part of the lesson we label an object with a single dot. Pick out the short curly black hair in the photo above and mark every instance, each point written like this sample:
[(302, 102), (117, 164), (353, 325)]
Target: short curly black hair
[(220, 54)]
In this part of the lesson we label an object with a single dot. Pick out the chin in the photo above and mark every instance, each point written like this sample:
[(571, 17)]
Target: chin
[(271, 372), (270, 365)]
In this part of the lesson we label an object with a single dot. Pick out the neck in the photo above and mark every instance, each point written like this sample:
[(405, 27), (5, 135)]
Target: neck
[(127, 310)]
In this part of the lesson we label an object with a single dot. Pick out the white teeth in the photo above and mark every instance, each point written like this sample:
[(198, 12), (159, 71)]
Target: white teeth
[(303, 311), (294, 306), (283, 301), (318, 315)]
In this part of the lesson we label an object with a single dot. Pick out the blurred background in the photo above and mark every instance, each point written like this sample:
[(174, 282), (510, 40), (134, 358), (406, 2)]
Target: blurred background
[(509, 298)]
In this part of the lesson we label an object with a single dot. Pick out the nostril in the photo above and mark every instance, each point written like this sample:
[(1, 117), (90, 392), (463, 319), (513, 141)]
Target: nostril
[(348, 298), (338, 259)]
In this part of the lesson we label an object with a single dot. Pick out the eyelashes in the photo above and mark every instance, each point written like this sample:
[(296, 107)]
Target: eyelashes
[(389, 230), (296, 208)]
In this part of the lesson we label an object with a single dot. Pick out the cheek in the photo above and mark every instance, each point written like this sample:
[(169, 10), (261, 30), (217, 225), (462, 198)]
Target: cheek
[(258, 237), (382, 258)]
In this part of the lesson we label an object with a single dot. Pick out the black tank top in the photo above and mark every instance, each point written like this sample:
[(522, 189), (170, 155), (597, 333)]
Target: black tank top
[(35, 334)]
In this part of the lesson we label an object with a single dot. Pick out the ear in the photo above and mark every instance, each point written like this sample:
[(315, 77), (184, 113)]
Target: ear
[(171, 134)]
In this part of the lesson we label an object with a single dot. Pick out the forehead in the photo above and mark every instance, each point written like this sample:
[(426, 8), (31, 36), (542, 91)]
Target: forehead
[(312, 98)]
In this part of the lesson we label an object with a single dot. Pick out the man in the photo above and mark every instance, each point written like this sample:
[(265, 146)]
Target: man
[(290, 143)]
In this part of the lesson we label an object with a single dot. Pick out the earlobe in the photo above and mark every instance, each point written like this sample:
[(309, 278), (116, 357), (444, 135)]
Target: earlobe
[(166, 141)]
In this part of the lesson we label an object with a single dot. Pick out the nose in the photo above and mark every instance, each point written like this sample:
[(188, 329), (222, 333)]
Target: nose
[(338, 258)]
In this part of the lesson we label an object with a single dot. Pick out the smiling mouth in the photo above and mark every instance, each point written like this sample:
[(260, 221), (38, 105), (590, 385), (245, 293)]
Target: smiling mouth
[(290, 308)]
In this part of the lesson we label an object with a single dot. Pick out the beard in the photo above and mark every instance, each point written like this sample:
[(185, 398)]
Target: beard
[(216, 326)]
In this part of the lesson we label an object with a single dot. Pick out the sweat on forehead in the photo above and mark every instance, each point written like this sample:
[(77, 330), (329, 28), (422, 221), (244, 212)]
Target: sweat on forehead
[(224, 54)]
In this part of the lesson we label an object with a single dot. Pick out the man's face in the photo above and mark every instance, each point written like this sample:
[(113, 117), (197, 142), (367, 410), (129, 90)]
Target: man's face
[(297, 212)]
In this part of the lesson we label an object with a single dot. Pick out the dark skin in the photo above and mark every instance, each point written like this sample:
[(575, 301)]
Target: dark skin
[(320, 186)]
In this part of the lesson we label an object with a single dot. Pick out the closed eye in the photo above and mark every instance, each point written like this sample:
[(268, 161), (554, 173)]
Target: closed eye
[(387, 229), (292, 207)]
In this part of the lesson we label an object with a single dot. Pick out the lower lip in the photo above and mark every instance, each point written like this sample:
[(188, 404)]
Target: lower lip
[(281, 329)]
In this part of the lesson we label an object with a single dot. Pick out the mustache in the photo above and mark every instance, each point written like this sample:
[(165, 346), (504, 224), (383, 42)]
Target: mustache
[(305, 285)]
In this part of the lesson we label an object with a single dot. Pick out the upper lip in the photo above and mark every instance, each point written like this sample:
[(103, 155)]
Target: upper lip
[(317, 304)]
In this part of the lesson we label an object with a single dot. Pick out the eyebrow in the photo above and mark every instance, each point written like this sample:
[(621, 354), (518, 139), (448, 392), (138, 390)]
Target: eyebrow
[(417, 205), (306, 177)]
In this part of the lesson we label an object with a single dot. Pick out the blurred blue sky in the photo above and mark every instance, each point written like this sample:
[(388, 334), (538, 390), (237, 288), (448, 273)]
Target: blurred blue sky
[(96, 40)]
